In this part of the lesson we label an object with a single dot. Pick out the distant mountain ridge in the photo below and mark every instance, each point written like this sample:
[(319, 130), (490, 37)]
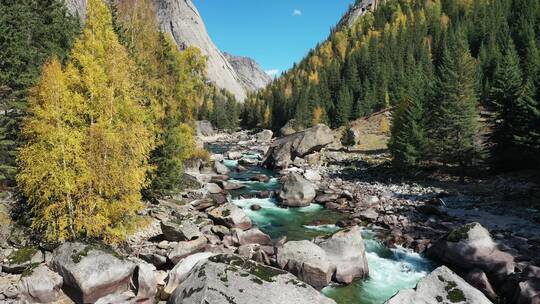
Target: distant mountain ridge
[(252, 77), (183, 21)]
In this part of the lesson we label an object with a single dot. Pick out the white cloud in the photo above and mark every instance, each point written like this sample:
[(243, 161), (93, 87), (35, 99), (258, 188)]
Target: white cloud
[(297, 12), (273, 72)]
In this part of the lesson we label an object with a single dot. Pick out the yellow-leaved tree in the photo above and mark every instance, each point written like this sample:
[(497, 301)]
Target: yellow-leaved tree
[(111, 142), (54, 174)]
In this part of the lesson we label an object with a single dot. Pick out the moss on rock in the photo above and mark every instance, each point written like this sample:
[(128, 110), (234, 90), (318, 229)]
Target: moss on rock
[(22, 255)]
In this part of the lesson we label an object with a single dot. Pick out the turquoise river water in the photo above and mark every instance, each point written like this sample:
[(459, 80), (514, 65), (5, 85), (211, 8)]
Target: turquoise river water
[(390, 270)]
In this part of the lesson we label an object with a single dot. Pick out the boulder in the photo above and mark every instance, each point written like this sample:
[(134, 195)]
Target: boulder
[(253, 236), (233, 279), (220, 230), (289, 128), (213, 188), (248, 162), (323, 198), (176, 230), (9, 287), (231, 216), (367, 215), (261, 178), (91, 273), (284, 150), (21, 259), (145, 281), (440, 286), (187, 248), (478, 279), (307, 261), (127, 297), (296, 191), (528, 292), (264, 136), (345, 250), (229, 186), (221, 168), (41, 286), (312, 176), (234, 155), (471, 246), (205, 128), (180, 272)]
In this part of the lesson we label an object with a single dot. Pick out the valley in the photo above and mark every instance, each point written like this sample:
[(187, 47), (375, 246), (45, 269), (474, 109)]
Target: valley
[(396, 163)]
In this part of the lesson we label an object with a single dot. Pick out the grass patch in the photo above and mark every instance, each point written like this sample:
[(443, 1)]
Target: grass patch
[(22, 255), (460, 233)]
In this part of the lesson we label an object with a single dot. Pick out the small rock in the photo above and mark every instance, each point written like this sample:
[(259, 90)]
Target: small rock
[(213, 188), (312, 176), (175, 231), (255, 207), (41, 286)]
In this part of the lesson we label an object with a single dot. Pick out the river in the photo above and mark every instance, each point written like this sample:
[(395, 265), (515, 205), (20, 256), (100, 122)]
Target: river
[(390, 270)]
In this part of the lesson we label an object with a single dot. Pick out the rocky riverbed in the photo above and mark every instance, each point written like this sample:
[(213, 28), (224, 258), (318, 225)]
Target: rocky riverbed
[(277, 221)]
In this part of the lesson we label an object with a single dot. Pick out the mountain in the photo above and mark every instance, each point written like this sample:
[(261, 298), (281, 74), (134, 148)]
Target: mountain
[(359, 9), (183, 21), (252, 77)]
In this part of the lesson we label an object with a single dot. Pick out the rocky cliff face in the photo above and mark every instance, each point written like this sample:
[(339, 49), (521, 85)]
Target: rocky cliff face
[(358, 10), (182, 19), (251, 75)]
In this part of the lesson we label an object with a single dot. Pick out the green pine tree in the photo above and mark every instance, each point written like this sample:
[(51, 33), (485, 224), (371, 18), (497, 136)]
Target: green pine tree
[(344, 106), (505, 94), (454, 121)]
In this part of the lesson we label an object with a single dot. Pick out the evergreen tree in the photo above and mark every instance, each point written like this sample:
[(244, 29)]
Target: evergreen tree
[(454, 121), (30, 33), (408, 136), (344, 105), (505, 95)]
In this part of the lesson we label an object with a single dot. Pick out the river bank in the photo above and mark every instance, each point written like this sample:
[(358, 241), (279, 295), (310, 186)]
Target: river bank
[(236, 214)]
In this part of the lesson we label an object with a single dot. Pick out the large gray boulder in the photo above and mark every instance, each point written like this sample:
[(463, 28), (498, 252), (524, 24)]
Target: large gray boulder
[(296, 191), (346, 251), (284, 150), (528, 292), (290, 127), (90, 272), (471, 246), (307, 261), (180, 272), (233, 279), (264, 136), (231, 216), (41, 286), (440, 286), (146, 281)]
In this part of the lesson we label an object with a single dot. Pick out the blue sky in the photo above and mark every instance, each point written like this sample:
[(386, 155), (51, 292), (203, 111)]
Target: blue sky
[(276, 33)]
